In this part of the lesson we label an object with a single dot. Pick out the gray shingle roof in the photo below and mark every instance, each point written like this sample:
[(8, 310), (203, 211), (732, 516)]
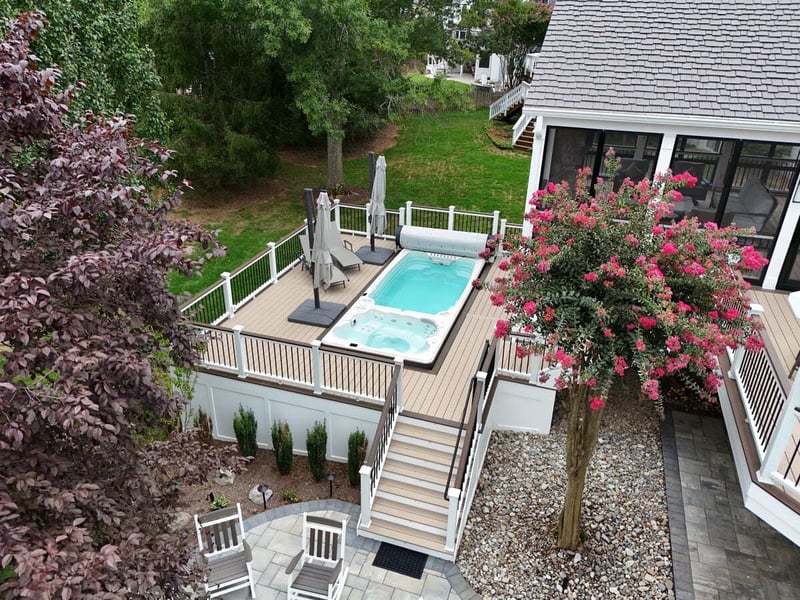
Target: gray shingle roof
[(726, 58)]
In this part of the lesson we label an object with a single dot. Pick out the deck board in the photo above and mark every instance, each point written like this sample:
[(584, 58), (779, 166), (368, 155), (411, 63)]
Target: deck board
[(438, 393), (783, 328)]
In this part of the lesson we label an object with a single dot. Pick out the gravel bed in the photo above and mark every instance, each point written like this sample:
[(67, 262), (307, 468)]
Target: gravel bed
[(508, 550)]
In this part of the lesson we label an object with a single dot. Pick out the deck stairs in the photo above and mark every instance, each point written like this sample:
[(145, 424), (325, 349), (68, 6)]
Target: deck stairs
[(409, 506), (525, 139)]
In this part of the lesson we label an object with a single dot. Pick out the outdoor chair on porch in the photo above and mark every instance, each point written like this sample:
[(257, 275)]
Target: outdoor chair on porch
[(220, 535), (318, 570)]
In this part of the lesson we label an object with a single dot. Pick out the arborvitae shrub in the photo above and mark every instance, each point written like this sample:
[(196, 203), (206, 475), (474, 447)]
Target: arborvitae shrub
[(245, 426), (317, 445), (356, 453), (282, 444)]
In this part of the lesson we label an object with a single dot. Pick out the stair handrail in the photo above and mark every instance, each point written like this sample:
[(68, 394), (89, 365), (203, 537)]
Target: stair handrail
[(383, 432), (470, 401), (502, 105)]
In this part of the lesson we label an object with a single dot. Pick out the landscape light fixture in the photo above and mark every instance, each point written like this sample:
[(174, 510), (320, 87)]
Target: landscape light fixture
[(331, 477), (263, 488)]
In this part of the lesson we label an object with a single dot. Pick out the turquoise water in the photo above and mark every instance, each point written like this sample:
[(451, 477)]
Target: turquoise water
[(380, 330), (420, 284)]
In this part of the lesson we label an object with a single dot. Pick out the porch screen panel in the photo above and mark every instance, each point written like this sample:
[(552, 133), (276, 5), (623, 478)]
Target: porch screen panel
[(568, 149)]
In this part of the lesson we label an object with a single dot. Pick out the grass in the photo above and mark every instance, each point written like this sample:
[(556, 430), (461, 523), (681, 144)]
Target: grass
[(439, 159)]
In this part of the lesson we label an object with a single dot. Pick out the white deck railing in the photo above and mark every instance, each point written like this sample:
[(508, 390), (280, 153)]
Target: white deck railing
[(771, 404), (514, 97), (306, 366)]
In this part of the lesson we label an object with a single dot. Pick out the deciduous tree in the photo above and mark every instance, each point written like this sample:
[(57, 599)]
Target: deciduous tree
[(97, 42), (602, 286), (90, 341)]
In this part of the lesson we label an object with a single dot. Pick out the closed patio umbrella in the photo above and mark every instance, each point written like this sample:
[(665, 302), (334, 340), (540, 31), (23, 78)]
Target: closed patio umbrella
[(323, 234), (377, 208)]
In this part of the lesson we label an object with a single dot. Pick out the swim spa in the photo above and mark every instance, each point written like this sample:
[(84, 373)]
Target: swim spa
[(410, 308)]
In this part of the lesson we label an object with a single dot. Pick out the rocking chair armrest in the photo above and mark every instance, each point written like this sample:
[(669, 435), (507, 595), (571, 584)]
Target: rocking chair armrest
[(335, 572), (293, 563), (248, 552), (348, 244)]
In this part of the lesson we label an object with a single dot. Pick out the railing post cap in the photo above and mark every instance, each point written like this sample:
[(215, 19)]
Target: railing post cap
[(238, 328), (481, 376), (365, 470), (271, 244), (316, 343), (398, 361), (225, 275), (453, 493), (757, 308)]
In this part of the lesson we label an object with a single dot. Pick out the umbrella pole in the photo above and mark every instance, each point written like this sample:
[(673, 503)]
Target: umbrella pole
[(371, 161), (308, 194)]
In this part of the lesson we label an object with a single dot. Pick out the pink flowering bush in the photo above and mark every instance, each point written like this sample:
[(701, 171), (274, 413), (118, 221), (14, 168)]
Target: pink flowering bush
[(607, 288), (606, 284)]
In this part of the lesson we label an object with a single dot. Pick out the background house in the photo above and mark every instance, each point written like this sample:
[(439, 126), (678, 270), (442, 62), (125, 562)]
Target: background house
[(710, 88)]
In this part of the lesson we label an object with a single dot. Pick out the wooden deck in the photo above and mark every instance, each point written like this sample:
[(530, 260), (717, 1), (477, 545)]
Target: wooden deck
[(783, 328), (439, 392)]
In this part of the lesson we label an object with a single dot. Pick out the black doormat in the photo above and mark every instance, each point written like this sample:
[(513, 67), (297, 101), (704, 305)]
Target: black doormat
[(400, 560)]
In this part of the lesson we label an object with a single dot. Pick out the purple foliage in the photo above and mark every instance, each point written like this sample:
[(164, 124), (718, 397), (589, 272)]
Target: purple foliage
[(89, 334)]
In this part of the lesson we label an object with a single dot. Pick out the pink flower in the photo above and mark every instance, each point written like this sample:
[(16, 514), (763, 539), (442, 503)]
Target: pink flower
[(754, 342), (529, 307), (669, 248), (543, 266), (590, 276), (620, 365), (650, 389), (549, 314), (751, 259), (658, 230), (673, 343), (497, 299), (501, 329), (592, 382), (476, 283), (730, 313), (694, 268), (597, 403), (647, 322), (640, 345), (607, 332)]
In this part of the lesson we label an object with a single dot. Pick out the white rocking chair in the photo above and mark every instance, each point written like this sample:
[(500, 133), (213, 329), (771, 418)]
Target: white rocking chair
[(220, 535), (318, 571)]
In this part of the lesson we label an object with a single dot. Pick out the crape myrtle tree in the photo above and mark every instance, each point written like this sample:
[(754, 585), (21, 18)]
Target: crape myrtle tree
[(603, 287), (91, 344)]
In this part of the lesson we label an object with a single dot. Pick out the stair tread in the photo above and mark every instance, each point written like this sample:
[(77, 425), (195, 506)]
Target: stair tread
[(415, 471), (395, 531), (426, 434), (415, 492), (419, 452), (409, 513)]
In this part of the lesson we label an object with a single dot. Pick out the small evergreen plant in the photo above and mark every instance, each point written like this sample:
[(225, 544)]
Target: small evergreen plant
[(356, 453), (317, 445), (282, 444), (245, 427)]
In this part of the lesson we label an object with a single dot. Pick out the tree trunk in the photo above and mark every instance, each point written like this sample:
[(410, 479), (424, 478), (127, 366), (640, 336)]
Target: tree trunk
[(584, 427), (335, 167)]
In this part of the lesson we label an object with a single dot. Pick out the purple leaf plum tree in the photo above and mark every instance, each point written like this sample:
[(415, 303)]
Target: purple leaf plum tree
[(91, 349)]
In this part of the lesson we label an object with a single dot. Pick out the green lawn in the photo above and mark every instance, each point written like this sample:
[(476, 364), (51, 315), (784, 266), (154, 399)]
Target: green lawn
[(439, 159)]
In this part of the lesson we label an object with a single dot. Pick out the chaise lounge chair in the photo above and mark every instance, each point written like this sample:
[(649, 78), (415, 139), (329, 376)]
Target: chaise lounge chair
[(342, 252), (332, 274)]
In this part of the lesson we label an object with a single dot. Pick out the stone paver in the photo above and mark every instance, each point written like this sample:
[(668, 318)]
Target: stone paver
[(720, 550)]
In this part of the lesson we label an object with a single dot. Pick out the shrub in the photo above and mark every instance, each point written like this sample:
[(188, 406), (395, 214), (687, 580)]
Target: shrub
[(356, 453), (317, 445), (245, 426), (220, 502), (282, 444), (203, 422), (290, 496)]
